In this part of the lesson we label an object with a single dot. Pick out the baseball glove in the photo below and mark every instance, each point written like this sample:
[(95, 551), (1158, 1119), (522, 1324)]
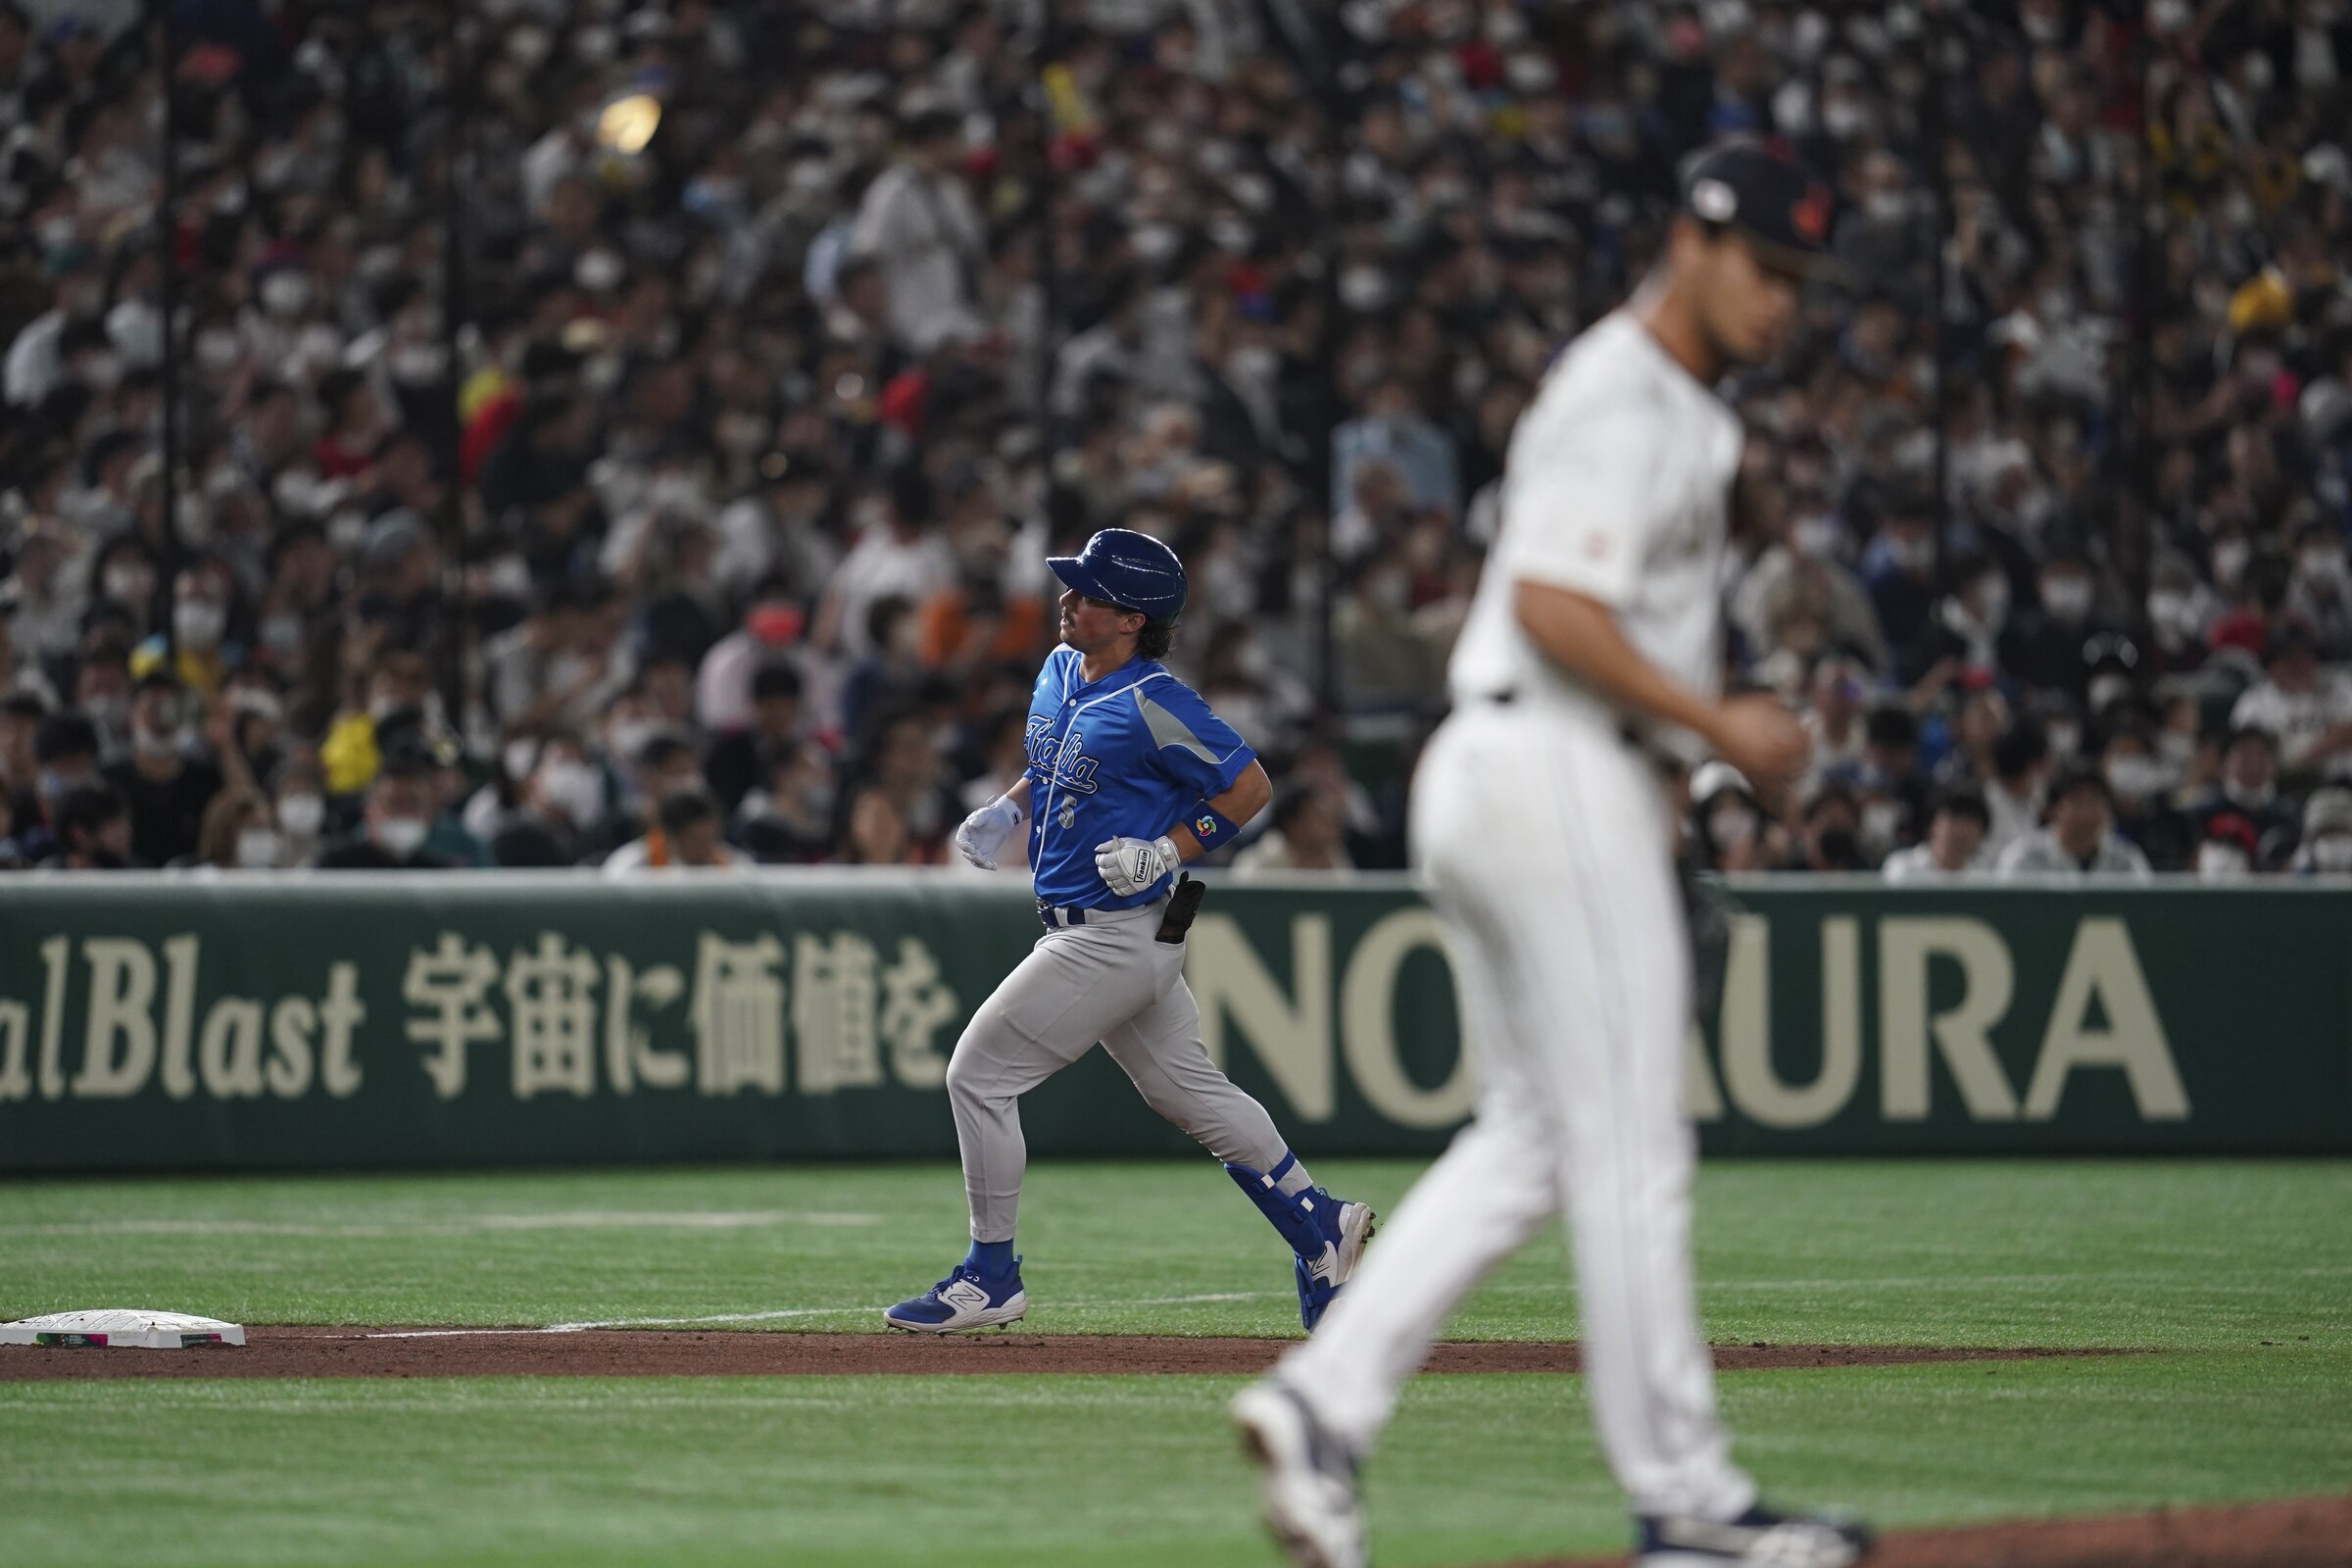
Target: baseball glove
[(1708, 910)]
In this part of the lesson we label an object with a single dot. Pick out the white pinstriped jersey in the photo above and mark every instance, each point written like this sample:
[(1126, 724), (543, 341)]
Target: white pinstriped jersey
[(1616, 486)]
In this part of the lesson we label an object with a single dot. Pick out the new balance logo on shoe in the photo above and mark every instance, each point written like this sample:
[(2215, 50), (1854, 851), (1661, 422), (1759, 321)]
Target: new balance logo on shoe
[(964, 1296)]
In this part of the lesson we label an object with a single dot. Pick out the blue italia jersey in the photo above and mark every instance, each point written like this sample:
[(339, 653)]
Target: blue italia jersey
[(1123, 757)]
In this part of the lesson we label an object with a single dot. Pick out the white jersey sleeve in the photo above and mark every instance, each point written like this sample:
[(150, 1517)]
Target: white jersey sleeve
[(1615, 488), (1579, 502)]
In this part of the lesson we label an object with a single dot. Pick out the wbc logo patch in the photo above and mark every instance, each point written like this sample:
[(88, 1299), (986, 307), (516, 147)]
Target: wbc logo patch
[(1203, 826)]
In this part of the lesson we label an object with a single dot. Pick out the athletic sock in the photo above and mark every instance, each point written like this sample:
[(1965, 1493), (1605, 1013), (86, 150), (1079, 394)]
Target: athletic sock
[(1290, 1177), (993, 1259), (1287, 1212)]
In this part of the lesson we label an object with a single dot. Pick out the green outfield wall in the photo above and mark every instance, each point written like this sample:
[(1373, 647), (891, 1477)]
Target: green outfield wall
[(158, 1022)]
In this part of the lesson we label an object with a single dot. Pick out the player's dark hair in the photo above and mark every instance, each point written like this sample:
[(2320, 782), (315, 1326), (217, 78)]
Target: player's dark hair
[(1155, 639)]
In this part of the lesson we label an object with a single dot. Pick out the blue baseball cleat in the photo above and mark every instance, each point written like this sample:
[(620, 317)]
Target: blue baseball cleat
[(1346, 1227), (964, 1301)]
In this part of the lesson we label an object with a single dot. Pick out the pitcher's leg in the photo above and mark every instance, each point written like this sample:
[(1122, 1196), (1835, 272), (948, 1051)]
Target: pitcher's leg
[(1627, 1164), (1493, 1188), (1477, 1205)]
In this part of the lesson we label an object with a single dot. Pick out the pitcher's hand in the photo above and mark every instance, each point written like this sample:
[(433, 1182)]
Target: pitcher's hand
[(1762, 739)]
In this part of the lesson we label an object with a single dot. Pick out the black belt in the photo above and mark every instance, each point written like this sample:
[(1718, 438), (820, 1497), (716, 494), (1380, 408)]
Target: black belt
[(1629, 732), (1071, 917)]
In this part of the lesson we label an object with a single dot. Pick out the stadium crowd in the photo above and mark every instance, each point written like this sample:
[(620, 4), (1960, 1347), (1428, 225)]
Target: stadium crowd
[(729, 547)]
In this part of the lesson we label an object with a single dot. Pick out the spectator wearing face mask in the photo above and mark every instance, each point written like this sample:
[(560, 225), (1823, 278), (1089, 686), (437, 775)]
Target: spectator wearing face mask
[(1805, 573), (1976, 735), (2179, 608), (2046, 650), (2306, 706), (238, 835), (2326, 847), (2320, 593), (1899, 567), (1972, 630), (66, 750), (300, 808), (1728, 826), (1833, 718), (1831, 833), (398, 818), (2248, 788), (788, 819), (1893, 790), (1389, 664), (202, 599), (2079, 838), (1954, 846), (21, 717), (167, 787), (632, 312), (93, 831), (1393, 431), (562, 804), (2227, 853), (2139, 784), (736, 762)]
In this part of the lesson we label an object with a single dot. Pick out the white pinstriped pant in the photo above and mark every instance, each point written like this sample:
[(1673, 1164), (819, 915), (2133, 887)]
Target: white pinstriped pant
[(1542, 840)]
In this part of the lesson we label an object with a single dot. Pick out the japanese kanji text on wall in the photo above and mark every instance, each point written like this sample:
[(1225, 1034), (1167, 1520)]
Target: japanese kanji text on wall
[(163, 1022)]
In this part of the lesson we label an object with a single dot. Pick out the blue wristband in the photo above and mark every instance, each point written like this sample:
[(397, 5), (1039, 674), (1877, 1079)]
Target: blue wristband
[(1210, 826)]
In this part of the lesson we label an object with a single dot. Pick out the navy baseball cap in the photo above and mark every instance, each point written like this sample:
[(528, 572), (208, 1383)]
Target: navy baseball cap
[(1130, 569), (1780, 206)]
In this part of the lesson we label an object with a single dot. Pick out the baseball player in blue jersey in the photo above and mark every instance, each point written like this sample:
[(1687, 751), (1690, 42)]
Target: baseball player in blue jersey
[(1129, 776)]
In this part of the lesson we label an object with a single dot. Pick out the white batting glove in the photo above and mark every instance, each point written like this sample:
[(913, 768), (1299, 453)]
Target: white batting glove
[(1133, 866), (983, 834)]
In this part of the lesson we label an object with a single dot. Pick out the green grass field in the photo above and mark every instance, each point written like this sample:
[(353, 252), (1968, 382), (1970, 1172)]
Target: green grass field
[(2202, 1261)]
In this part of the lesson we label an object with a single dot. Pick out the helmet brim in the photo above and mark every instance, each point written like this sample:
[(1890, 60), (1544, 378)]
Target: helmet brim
[(1075, 574)]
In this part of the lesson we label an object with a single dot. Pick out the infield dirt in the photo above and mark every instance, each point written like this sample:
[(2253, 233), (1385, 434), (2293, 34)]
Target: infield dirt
[(362, 1353), (2308, 1533)]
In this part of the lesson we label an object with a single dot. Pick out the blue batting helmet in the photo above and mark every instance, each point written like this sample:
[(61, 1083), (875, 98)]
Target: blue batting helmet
[(1130, 569)]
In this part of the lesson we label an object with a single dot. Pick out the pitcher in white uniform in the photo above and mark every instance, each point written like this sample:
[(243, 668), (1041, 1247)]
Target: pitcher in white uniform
[(1542, 834)]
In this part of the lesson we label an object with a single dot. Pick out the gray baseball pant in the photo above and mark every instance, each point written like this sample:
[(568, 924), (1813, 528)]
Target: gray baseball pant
[(1109, 981)]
